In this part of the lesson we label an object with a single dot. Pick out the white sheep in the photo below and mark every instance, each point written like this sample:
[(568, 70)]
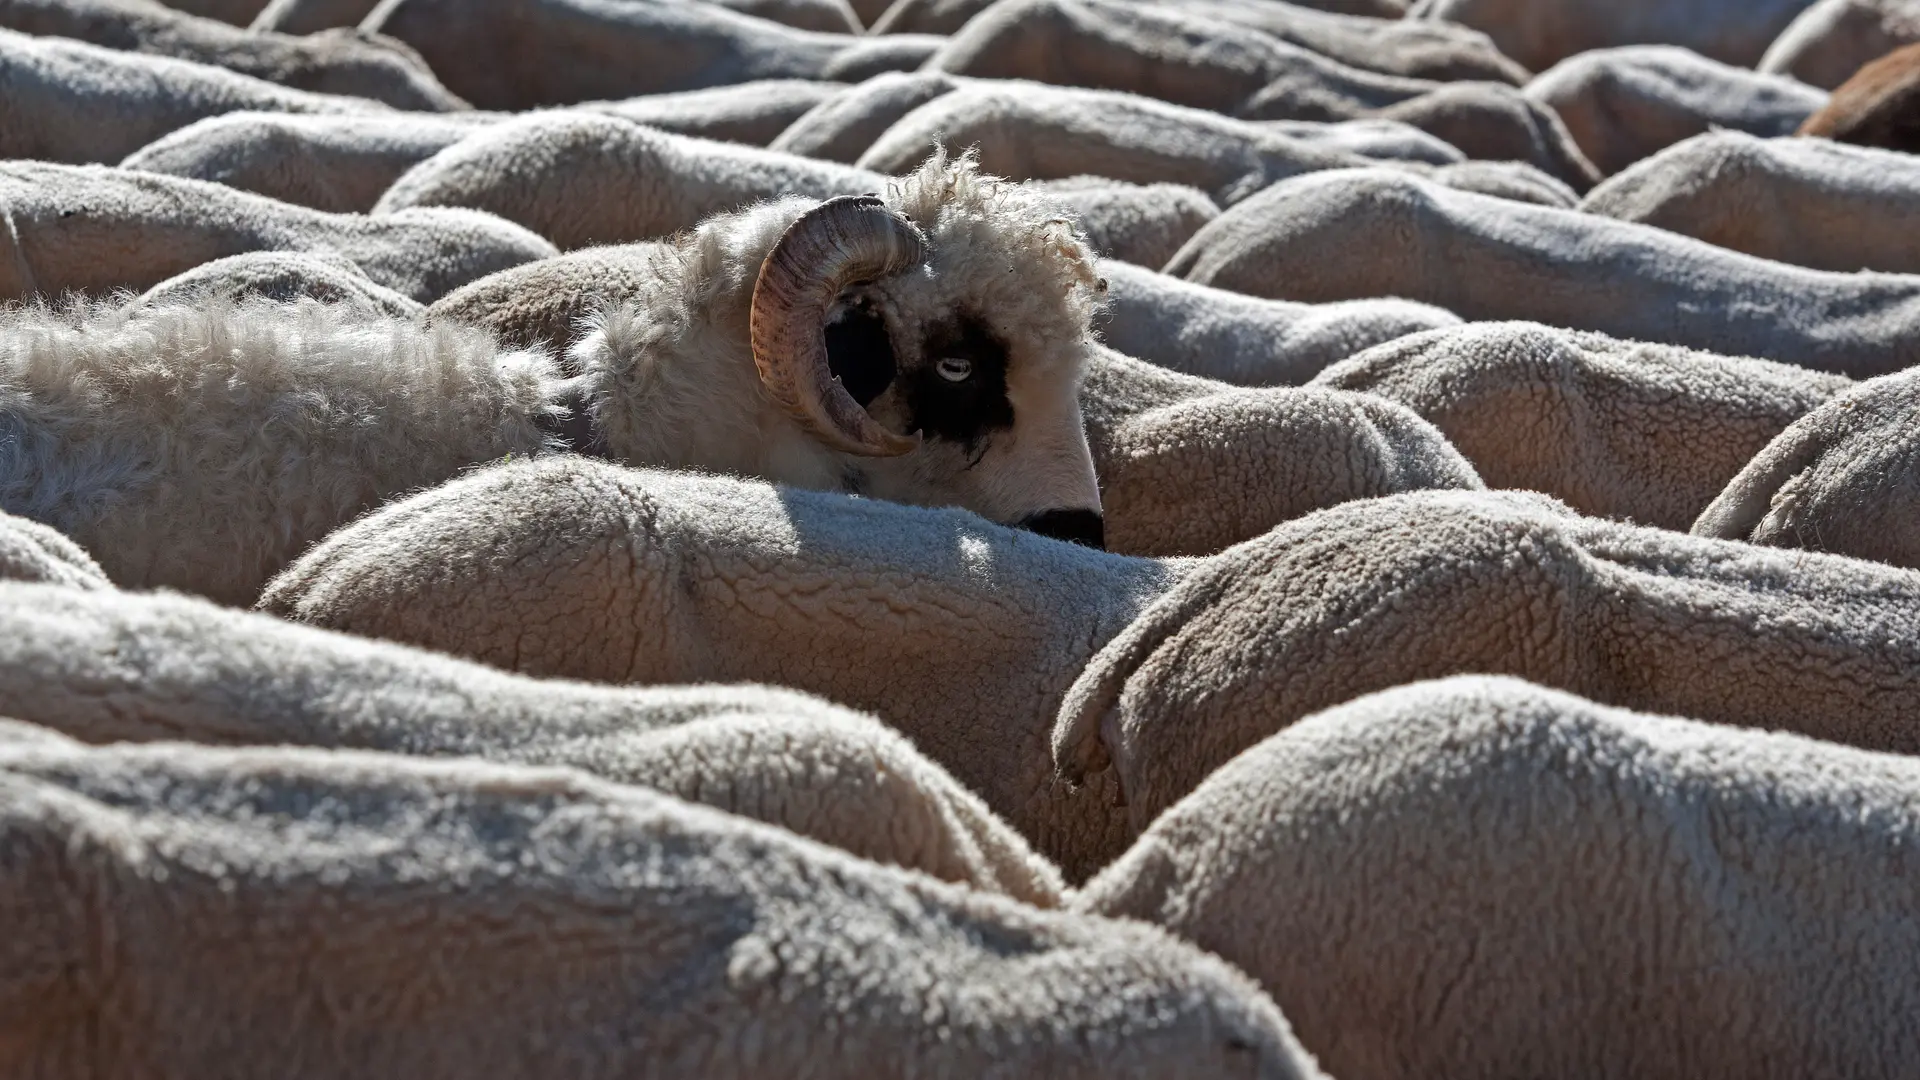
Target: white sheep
[(1541, 33), (337, 163), (578, 178), (1344, 235), (324, 913), (1136, 223), (108, 666), (68, 101), (310, 16), (1844, 478), (1622, 105), (283, 276), (335, 62), (29, 551), (754, 113), (517, 54), (1375, 593), (925, 348), (1832, 39), (1245, 340), (1810, 202), (1649, 433), (1480, 878), (1189, 466), (92, 229), (844, 125)]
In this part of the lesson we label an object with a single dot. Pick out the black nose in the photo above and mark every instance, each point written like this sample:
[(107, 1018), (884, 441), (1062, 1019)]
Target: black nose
[(1075, 526)]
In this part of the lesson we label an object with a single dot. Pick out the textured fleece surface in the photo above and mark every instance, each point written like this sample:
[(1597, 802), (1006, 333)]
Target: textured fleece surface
[(338, 163), (1246, 340), (1028, 131), (335, 62), (1832, 39), (130, 667), (235, 12), (199, 911), (1622, 105), (1540, 33), (1381, 140), (961, 634), (68, 101), (32, 552), (1614, 428), (1480, 878), (1493, 122), (518, 54), (548, 303), (1372, 594), (93, 229), (1878, 106), (844, 125), (283, 276), (580, 179), (1349, 235), (203, 447), (1844, 478), (1810, 202), (1142, 224), (1189, 466), (754, 113)]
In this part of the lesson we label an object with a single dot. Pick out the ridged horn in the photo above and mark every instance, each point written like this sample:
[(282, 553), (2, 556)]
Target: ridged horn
[(841, 242)]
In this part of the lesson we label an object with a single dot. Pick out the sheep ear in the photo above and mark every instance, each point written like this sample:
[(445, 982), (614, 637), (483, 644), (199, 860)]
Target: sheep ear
[(841, 242)]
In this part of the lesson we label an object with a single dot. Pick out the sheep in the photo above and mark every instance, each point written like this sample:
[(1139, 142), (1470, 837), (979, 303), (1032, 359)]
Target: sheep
[(1391, 46), (924, 348), (754, 113), (335, 62), (1481, 878), (1381, 140), (1029, 131), (1809, 202), (578, 179), (516, 54), (1832, 39), (1843, 478), (92, 229), (844, 125), (1372, 594), (721, 579), (310, 16), (325, 913), (1242, 339), (1876, 107), (107, 667), (67, 101), (552, 303), (1515, 180), (1541, 33), (1189, 467), (826, 16), (958, 633), (1344, 234), (338, 163), (1622, 105), (1490, 122), (283, 276), (1649, 433), (1136, 223), (31, 552)]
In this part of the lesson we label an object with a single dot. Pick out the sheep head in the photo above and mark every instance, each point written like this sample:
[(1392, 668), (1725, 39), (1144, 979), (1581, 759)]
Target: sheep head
[(964, 355), (923, 347)]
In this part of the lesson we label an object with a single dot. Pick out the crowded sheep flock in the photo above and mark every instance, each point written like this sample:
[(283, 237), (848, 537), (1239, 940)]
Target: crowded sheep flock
[(960, 538)]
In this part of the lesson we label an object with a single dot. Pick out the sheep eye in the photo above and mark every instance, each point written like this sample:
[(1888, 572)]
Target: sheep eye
[(955, 368)]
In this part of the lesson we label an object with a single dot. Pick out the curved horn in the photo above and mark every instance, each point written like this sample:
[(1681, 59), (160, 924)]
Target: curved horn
[(842, 241)]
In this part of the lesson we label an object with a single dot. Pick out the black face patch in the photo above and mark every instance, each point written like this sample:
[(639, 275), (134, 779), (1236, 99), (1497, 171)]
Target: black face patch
[(859, 352), (968, 410)]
